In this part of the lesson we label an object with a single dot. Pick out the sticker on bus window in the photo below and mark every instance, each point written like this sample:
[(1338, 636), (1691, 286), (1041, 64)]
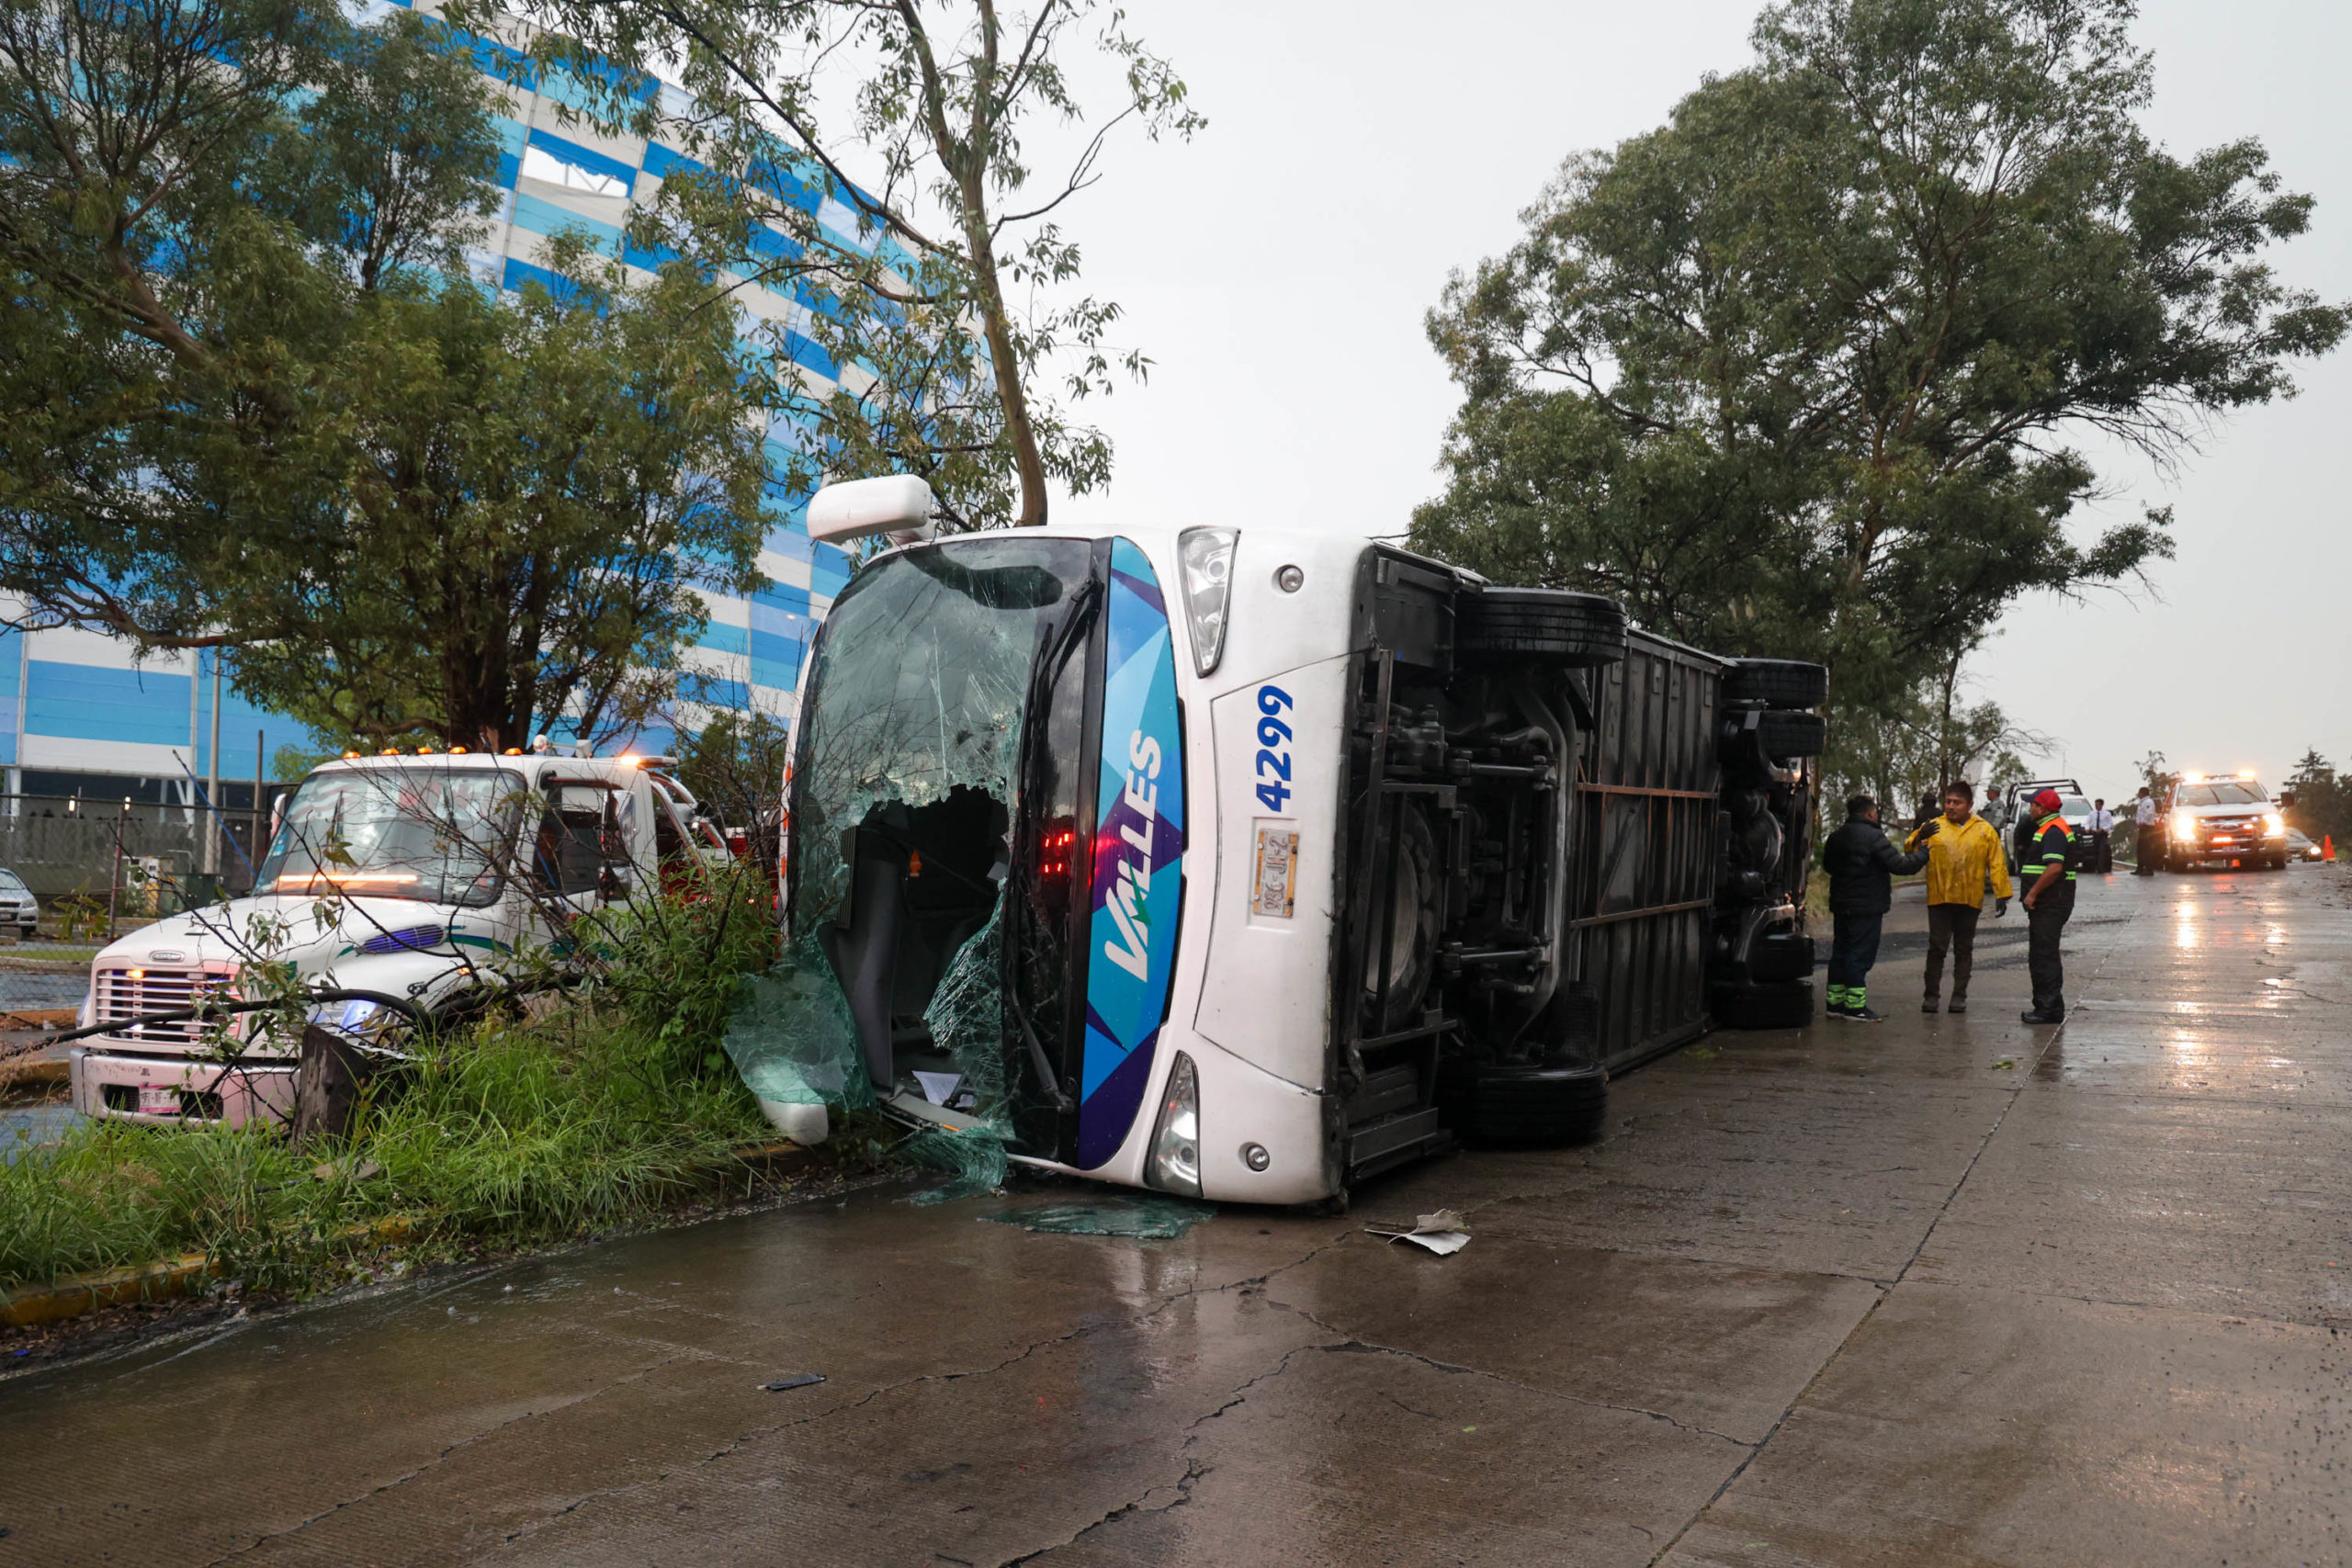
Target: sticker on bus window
[(1273, 887)]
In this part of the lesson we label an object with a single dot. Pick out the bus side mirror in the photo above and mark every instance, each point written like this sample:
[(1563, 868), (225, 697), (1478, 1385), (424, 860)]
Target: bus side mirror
[(2287, 800)]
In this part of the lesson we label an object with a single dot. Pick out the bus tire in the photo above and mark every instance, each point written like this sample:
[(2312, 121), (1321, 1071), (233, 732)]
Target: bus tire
[(1788, 734), (1777, 682), (1549, 625), (1785, 1005), (1522, 1104)]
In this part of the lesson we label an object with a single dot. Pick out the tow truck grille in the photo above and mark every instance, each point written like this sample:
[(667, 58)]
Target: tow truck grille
[(127, 993)]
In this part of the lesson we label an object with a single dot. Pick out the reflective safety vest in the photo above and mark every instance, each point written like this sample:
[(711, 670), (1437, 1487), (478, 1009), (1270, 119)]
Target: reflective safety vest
[(2055, 840)]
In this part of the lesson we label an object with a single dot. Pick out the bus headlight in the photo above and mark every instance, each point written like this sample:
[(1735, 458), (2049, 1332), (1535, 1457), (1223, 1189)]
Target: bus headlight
[(1176, 1138), (1204, 558)]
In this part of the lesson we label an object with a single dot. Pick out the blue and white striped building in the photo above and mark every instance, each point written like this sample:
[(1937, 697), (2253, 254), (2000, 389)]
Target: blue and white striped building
[(79, 716)]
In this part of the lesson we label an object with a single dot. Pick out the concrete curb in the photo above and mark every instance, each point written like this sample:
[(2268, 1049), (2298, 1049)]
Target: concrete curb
[(78, 1293)]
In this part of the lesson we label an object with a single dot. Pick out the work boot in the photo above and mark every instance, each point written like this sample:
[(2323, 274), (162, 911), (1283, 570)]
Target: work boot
[(1863, 1014), (1959, 1002), (2038, 1018), (1929, 1004)]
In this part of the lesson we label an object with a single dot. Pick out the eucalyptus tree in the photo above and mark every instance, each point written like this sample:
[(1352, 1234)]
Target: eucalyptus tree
[(1807, 369), (874, 157)]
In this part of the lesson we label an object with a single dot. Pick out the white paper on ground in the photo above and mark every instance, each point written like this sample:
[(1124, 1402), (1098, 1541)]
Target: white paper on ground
[(1445, 1244), (939, 1087), (1441, 1233)]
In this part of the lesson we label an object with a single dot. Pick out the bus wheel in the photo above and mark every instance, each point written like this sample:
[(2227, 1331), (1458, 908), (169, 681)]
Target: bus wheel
[(1546, 625), (1777, 682), (1412, 918), (1525, 1103)]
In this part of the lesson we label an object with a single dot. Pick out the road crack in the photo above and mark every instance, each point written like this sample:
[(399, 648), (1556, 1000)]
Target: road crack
[(1345, 1341), (2011, 1093), (443, 1457)]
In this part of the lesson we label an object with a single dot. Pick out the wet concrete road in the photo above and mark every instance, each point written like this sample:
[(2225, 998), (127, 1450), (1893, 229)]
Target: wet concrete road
[(1942, 1291)]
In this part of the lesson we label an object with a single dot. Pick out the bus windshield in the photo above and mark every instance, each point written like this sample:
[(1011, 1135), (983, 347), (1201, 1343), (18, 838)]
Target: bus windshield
[(434, 834), (941, 760)]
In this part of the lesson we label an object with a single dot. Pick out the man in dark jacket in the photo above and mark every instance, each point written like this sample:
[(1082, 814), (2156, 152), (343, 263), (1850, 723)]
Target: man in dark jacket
[(1862, 864), (2048, 902)]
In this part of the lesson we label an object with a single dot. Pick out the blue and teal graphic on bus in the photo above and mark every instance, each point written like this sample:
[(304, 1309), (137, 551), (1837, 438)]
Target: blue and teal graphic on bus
[(1139, 851)]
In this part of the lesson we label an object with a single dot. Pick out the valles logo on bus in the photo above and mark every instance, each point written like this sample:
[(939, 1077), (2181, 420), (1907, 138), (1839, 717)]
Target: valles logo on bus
[(1139, 844)]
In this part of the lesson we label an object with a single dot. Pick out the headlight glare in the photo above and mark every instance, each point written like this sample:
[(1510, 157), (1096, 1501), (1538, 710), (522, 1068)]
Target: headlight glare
[(1176, 1138), (1204, 558), (2273, 824), (357, 1017)]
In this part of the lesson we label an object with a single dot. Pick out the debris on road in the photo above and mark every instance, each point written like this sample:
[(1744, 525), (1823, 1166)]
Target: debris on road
[(1146, 1219), (797, 1379), (1441, 1233)]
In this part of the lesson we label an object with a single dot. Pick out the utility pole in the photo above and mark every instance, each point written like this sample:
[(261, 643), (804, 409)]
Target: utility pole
[(214, 822), (114, 883)]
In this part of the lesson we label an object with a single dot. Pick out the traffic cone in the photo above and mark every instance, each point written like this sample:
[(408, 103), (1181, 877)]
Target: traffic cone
[(2327, 845)]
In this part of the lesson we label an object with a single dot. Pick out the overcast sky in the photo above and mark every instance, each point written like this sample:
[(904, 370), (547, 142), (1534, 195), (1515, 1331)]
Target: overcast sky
[(1278, 267)]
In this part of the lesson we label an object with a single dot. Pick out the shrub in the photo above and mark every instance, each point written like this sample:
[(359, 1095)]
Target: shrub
[(608, 1110)]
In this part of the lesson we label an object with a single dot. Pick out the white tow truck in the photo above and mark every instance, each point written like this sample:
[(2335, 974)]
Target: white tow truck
[(1243, 862), (413, 885)]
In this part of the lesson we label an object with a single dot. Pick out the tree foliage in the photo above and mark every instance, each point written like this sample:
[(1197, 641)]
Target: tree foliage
[(1796, 373), (251, 397), (2323, 798), (1907, 755), (901, 214)]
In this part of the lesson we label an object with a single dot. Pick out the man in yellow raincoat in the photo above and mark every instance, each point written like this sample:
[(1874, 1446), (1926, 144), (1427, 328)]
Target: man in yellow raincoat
[(1963, 850)]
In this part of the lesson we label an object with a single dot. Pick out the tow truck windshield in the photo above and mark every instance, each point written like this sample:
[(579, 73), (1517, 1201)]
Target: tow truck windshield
[(436, 834)]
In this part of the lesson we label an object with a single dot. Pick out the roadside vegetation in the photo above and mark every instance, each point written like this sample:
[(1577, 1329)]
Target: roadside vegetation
[(612, 1105)]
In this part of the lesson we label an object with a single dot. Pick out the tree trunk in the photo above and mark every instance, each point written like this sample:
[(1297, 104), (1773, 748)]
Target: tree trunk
[(1002, 362)]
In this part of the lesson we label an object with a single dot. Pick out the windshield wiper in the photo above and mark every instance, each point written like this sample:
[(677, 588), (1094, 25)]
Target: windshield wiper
[(1028, 788)]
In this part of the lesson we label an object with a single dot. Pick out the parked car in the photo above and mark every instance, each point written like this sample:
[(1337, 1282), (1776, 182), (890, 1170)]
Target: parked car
[(17, 905), (1242, 861), (424, 881), (2303, 846)]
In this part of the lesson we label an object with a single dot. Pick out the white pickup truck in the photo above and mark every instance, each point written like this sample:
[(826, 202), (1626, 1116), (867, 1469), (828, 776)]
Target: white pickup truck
[(422, 879), (2225, 820), (1244, 862)]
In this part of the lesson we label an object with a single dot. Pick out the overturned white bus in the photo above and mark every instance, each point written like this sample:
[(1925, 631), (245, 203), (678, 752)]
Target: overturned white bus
[(1243, 863)]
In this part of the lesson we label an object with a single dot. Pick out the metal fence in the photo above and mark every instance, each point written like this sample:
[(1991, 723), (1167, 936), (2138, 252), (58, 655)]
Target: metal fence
[(67, 846)]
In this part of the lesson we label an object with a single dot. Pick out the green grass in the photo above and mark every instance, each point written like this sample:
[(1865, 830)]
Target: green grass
[(612, 1110), (498, 1139)]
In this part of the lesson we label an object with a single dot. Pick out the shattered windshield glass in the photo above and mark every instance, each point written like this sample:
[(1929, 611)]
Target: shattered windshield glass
[(413, 832), (909, 767), (920, 678)]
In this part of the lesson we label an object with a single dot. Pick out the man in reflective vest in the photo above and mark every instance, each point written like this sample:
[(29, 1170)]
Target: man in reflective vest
[(2047, 904)]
